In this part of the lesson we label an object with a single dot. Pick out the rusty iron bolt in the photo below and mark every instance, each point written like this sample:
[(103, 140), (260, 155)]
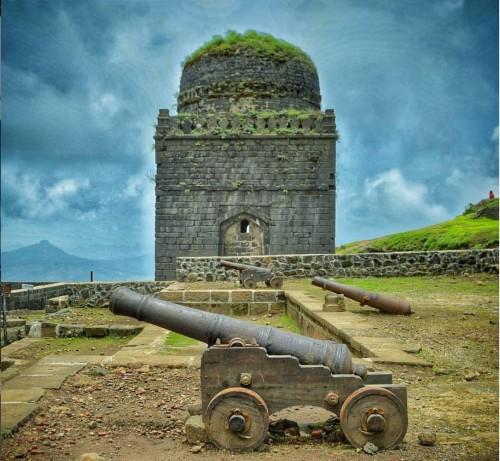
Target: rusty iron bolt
[(332, 399), (375, 423), (245, 379)]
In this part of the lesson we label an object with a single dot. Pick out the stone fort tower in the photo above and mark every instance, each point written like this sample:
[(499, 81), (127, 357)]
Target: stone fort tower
[(247, 167)]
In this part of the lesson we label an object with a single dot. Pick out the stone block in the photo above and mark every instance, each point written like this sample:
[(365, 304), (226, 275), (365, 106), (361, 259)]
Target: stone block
[(258, 308), (171, 295), (96, 331), (195, 409), (15, 322), (265, 295), (334, 303), (197, 295), (220, 308), (35, 330), (69, 330), (15, 414), (49, 329), (200, 306), (239, 309), (241, 295), (219, 296), (276, 308), (57, 303), (195, 430), (51, 308), (32, 394), (123, 330)]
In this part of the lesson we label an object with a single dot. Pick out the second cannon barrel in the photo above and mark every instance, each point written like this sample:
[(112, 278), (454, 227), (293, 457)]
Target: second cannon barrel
[(382, 302)]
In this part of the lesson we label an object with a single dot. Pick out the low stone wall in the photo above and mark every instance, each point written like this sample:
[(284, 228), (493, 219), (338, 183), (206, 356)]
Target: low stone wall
[(97, 293), (309, 326), (35, 298), (409, 263), (94, 293), (229, 302)]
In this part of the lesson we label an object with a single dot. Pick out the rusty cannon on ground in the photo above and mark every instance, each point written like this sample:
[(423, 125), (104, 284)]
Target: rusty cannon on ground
[(251, 275), (250, 371), (381, 302)]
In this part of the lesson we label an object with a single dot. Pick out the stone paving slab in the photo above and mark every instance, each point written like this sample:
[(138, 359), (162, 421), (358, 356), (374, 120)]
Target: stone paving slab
[(146, 349), (163, 360), (44, 376), (32, 394), (15, 414), (72, 359), (17, 346), (359, 334)]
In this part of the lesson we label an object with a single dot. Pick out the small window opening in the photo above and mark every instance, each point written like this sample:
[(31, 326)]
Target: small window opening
[(245, 226)]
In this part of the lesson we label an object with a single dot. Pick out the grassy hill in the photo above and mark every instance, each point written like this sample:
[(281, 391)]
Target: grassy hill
[(476, 228)]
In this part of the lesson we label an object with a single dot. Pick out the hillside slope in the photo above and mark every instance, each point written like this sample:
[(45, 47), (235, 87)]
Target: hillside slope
[(476, 228)]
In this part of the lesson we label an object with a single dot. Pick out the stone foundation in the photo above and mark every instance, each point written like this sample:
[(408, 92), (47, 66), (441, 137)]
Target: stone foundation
[(229, 302)]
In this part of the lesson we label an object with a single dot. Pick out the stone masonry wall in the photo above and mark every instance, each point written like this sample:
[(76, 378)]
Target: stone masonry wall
[(287, 183), (247, 81), (229, 302), (349, 265), (95, 293)]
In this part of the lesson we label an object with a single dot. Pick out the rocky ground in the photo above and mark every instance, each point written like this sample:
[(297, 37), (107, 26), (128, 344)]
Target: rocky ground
[(138, 413)]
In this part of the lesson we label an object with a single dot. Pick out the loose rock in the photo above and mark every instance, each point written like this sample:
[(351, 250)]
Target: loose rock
[(427, 439), (196, 449), (370, 448), (91, 457)]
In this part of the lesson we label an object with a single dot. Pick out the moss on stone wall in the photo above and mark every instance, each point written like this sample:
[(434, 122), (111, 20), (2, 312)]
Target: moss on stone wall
[(258, 42)]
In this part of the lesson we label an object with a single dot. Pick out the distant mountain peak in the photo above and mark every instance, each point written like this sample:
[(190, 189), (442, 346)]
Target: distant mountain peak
[(45, 243)]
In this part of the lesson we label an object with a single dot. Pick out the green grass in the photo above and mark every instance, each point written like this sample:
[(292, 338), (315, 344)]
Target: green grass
[(260, 43), (177, 340), (463, 232), (403, 286)]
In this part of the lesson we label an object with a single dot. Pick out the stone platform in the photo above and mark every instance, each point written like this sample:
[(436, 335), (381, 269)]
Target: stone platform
[(353, 329)]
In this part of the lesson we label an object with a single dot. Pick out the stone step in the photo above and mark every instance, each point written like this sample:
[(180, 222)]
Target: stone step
[(12, 322)]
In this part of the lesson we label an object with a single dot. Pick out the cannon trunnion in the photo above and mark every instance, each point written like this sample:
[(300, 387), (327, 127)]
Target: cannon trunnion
[(249, 372)]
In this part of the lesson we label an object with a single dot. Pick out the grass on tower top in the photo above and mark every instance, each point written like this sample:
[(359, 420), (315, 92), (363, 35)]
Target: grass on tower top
[(261, 43)]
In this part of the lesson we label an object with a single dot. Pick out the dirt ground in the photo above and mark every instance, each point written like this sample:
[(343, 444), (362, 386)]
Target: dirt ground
[(79, 315), (138, 414)]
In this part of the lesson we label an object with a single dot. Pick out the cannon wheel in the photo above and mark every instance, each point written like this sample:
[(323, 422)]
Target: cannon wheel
[(250, 283), (237, 419), (373, 414), (276, 283)]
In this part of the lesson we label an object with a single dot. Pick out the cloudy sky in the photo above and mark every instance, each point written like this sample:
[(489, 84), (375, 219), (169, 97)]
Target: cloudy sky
[(414, 84)]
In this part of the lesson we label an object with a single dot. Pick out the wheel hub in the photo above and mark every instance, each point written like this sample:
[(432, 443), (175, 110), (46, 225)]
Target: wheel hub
[(236, 422)]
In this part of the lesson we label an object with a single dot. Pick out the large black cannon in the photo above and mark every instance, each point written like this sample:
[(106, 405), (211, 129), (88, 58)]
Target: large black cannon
[(381, 302), (251, 275), (250, 371)]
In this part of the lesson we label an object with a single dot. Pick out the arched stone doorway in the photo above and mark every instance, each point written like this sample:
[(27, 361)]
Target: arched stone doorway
[(242, 235)]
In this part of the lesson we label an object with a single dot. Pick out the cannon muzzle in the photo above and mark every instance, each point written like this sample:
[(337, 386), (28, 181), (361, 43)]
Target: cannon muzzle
[(208, 327), (382, 302)]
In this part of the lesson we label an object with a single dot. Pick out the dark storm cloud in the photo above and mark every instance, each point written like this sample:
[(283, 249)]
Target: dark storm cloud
[(414, 85)]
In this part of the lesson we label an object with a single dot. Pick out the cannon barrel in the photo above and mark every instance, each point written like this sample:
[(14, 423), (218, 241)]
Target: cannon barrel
[(208, 327), (242, 267), (382, 302)]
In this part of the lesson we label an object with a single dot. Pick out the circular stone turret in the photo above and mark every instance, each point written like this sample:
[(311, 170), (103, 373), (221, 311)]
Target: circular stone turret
[(248, 72)]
